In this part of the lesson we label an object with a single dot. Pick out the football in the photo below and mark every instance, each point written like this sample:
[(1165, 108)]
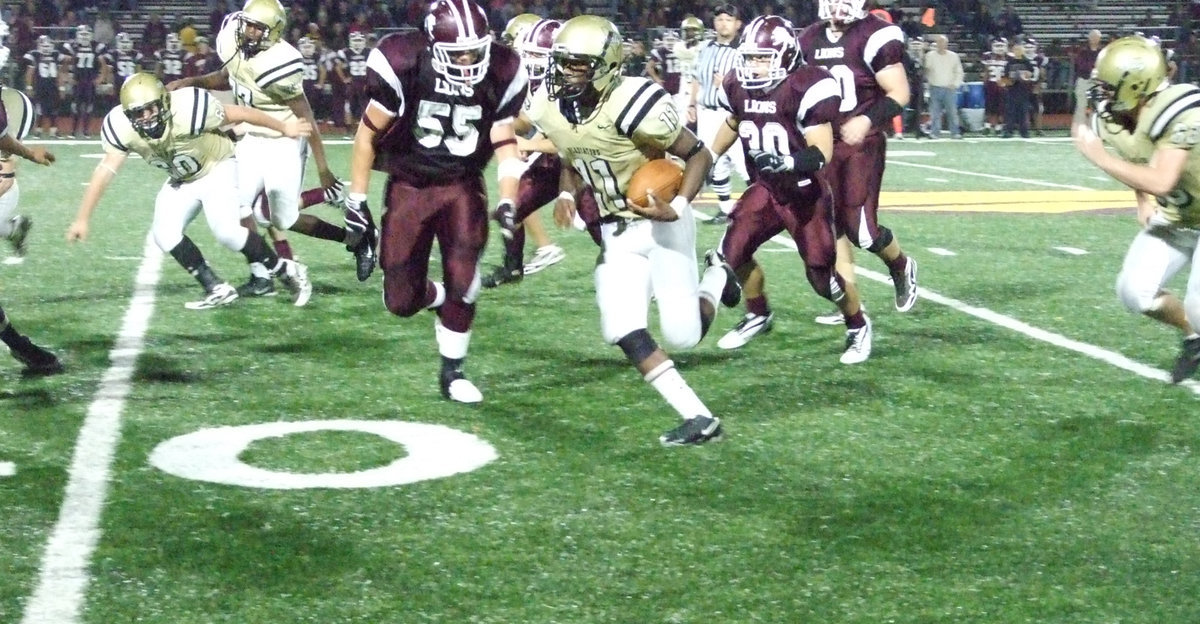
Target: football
[(662, 177)]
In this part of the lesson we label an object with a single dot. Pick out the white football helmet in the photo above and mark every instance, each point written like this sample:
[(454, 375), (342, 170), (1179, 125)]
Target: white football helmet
[(83, 34), (173, 43), (358, 41), (44, 44), (842, 10), (124, 42), (306, 47)]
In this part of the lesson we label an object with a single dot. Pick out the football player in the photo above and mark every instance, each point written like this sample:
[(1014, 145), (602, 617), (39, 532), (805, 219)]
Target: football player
[(1041, 71), (469, 90), (170, 59), (88, 62), (351, 67), (1151, 125), (124, 60), (712, 64), (202, 61), (180, 132), (785, 113), (539, 183), (18, 112), (514, 27), (993, 63), (16, 120), (42, 79), (866, 55), (315, 84), (607, 126)]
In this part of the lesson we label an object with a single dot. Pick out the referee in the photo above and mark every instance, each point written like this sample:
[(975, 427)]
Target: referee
[(715, 60)]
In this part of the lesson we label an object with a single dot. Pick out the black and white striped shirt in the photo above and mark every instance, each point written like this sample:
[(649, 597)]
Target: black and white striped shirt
[(712, 63)]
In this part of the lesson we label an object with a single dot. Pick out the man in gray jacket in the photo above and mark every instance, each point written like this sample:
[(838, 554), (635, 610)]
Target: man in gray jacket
[(944, 75)]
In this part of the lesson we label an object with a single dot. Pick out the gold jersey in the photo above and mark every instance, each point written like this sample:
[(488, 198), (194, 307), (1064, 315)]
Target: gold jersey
[(635, 124), (1170, 120), (685, 60), (265, 81), (189, 147)]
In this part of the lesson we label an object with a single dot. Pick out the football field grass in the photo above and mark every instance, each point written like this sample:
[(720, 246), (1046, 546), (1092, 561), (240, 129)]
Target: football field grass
[(1011, 452)]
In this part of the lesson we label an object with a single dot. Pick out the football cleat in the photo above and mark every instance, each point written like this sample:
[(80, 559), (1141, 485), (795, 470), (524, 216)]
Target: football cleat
[(38, 361), (750, 326), (858, 344), (295, 277), (459, 389), (731, 295), (906, 286), (257, 287), (543, 258), (837, 318), (502, 275), (221, 294), (1189, 360), (364, 256), (694, 431), (20, 231), (719, 219)]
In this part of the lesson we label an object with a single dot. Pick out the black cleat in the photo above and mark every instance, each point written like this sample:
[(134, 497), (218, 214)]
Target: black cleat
[(38, 361), (364, 256), (458, 388), (1188, 362), (696, 431), (502, 275), (731, 295), (257, 287)]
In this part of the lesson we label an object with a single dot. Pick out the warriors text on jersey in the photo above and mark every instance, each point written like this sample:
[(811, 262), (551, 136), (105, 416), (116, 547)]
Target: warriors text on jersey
[(1171, 119), (602, 149), (266, 81), (775, 121), (441, 130), (853, 56), (191, 144)]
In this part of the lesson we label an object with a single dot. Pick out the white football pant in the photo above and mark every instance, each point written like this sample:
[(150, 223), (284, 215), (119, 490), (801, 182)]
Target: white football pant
[(1154, 257), (275, 164), (215, 194), (708, 122)]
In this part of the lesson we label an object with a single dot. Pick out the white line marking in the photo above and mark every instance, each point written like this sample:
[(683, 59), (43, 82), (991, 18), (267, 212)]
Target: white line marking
[(7, 469), (63, 574), (937, 180), (1007, 322), (989, 175), (941, 252), (1074, 251), (14, 260), (1100, 178), (909, 153)]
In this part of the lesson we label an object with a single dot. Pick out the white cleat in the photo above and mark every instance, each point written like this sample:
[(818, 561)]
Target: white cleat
[(906, 286), (221, 294), (858, 344), (750, 326), (543, 258), (295, 278), (831, 319), (460, 390)]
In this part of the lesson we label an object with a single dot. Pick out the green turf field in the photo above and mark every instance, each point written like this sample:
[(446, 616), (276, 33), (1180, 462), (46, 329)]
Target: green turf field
[(1010, 452)]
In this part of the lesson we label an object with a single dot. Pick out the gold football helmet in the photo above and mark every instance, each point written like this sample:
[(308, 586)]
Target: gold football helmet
[(1128, 71), (147, 104), (268, 18), (515, 25), (692, 29), (586, 58)]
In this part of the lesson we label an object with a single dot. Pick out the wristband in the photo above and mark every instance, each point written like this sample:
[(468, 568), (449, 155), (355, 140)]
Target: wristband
[(882, 111), (680, 204), (807, 160), (567, 196)]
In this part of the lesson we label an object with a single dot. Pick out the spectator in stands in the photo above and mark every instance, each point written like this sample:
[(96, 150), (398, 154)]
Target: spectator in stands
[(154, 36), (1085, 61), (1008, 23), (983, 27), (944, 75), (104, 30), (1148, 20)]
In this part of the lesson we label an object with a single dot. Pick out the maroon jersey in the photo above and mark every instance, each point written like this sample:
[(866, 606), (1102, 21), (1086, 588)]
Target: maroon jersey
[(668, 68), (774, 120), (442, 130), (196, 64), (354, 64), (865, 47), (85, 59), (125, 64), (993, 66), (171, 62)]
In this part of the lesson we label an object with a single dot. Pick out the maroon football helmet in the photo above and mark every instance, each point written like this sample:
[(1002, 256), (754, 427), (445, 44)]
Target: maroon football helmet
[(534, 45), (457, 28), (766, 37)]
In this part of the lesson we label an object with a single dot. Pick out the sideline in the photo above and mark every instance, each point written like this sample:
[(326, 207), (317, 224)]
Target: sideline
[(63, 574)]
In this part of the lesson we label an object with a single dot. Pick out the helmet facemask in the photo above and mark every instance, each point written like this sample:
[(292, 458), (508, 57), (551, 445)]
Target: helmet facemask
[(841, 11), (247, 42), (476, 53)]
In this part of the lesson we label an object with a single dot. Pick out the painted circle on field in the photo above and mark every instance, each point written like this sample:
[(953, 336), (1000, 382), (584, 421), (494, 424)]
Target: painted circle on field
[(212, 455)]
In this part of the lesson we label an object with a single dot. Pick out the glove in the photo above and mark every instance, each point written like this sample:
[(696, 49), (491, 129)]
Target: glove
[(767, 162), (334, 192), (506, 216), (356, 217)]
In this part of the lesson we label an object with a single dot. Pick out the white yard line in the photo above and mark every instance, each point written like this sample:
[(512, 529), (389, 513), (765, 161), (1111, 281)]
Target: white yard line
[(1108, 357), (989, 175), (7, 469), (63, 574)]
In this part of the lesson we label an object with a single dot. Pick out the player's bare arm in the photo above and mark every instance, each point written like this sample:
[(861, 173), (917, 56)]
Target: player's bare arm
[(213, 81), (245, 114), (536, 143), (697, 162), (726, 136), (301, 108), (102, 175), (362, 155), (508, 159), (570, 185), (38, 154), (893, 80), (1157, 177), (652, 70)]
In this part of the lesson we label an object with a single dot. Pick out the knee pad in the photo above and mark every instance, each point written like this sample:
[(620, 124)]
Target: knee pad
[(883, 240), (637, 345), (1137, 296)]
